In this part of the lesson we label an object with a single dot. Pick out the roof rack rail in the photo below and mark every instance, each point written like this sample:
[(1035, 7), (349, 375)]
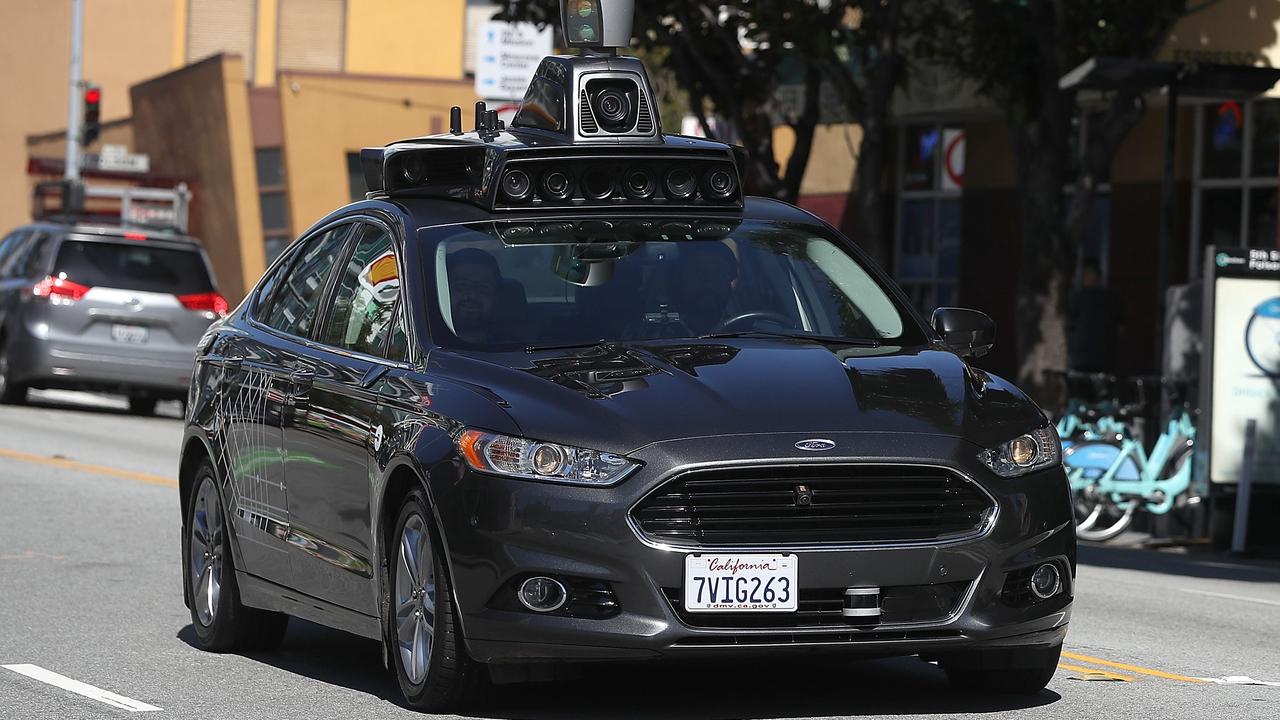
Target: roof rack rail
[(142, 207)]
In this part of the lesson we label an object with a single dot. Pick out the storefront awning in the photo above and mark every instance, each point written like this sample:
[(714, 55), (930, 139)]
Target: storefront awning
[(1203, 80)]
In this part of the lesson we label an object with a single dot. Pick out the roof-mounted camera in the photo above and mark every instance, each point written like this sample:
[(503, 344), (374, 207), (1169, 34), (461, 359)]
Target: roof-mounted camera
[(587, 135), (596, 96)]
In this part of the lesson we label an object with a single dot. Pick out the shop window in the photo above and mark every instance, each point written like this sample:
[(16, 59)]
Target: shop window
[(931, 177), (1237, 176), (273, 200)]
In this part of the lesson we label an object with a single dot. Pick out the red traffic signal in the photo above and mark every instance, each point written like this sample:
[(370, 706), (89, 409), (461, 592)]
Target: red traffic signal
[(92, 126)]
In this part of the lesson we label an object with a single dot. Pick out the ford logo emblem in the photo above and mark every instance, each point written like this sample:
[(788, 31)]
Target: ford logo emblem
[(815, 444)]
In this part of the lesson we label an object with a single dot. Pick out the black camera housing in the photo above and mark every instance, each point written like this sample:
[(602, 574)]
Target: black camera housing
[(614, 103)]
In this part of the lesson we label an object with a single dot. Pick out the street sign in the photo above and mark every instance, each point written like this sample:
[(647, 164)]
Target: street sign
[(116, 158), (507, 54), (1240, 376)]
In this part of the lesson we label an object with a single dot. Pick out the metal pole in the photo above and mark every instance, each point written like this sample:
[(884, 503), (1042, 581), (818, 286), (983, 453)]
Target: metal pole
[(74, 95), (1166, 213), (1244, 489)]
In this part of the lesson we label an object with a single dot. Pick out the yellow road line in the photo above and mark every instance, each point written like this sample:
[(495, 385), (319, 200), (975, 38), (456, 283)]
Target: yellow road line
[(1094, 671), (65, 464), (1131, 668)]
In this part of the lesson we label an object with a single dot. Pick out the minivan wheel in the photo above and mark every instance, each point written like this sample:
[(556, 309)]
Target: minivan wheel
[(431, 664), (221, 622), (142, 405), (1017, 671), (11, 393)]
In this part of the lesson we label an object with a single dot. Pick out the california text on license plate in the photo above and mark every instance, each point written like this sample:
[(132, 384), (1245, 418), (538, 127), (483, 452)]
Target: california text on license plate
[(729, 583), (133, 334)]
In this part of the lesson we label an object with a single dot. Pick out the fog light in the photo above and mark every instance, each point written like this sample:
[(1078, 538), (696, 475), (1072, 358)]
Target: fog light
[(542, 594), (1045, 582)]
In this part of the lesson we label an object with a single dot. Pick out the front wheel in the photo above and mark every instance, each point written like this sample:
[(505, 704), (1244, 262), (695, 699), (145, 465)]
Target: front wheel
[(1019, 671), (431, 664), (221, 622)]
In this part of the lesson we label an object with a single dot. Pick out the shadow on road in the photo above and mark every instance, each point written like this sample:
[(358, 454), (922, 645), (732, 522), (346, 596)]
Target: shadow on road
[(1201, 566), (329, 656), (98, 404), (792, 687)]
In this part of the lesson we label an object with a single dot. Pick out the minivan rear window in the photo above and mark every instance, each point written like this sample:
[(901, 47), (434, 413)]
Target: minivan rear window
[(133, 266)]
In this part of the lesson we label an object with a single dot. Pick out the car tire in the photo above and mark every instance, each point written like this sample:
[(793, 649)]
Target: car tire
[(1018, 671), (11, 393), (220, 621), (446, 678), (142, 405)]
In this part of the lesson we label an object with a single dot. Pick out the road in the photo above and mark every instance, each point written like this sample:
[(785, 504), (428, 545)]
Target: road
[(90, 589)]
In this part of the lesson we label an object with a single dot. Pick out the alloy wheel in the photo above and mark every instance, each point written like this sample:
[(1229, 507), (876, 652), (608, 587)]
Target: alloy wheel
[(206, 552), (415, 599)]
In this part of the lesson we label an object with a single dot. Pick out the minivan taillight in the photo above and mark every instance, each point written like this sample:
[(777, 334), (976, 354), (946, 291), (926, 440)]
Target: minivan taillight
[(205, 302), (58, 287)]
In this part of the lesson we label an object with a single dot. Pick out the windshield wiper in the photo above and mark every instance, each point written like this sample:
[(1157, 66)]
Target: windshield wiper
[(570, 346), (834, 339)]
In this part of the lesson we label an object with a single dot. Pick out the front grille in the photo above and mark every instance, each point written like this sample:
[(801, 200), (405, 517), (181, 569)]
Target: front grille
[(812, 504), (820, 608)]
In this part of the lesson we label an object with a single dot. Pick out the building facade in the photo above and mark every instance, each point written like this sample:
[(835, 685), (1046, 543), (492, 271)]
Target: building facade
[(257, 104)]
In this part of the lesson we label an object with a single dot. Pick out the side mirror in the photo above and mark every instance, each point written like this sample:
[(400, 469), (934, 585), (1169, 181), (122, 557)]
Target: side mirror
[(967, 333)]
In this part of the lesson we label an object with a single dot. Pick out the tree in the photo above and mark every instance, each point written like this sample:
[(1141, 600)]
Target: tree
[(729, 58), (1016, 51)]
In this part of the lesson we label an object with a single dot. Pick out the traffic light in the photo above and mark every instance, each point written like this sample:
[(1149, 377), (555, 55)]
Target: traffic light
[(92, 126)]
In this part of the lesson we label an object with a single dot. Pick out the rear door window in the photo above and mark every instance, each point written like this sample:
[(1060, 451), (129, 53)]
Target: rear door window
[(10, 248), (7, 246), (135, 266), (32, 258)]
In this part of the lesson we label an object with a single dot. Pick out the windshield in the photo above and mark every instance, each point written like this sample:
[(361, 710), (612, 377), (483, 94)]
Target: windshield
[(503, 285)]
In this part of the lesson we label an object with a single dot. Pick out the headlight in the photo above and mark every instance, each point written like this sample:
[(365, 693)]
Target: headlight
[(1036, 450), (534, 460)]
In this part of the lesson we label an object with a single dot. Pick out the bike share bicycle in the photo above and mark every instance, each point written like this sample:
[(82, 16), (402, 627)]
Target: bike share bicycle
[(1112, 475)]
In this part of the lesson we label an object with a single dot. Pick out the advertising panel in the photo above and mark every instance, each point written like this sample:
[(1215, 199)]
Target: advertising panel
[(1242, 379)]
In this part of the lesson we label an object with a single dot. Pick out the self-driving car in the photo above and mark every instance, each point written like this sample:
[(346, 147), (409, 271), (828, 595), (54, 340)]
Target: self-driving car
[(560, 392)]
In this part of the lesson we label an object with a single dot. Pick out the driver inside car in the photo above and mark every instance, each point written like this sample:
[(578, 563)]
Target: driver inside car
[(703, 285), (474, 283)]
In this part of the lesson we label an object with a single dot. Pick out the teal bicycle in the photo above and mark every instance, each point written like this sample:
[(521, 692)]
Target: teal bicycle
[(1111, 480)]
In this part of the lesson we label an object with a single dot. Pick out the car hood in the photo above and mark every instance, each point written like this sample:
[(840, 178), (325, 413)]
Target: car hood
[(621, 397)]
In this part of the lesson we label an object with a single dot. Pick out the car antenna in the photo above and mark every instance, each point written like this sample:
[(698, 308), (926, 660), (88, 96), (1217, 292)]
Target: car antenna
[(455, 120)]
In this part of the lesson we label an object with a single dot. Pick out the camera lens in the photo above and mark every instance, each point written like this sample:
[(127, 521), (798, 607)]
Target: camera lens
[(719, 184), (679, 184), (556, 185), (597, 185), (639, 184), (516, 185), (613, 107), (412, 169)]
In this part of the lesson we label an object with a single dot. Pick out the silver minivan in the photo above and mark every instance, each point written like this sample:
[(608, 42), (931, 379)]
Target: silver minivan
[(102, 308)]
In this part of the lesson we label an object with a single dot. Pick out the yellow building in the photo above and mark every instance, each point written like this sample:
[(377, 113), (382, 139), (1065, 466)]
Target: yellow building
[(257, 104)]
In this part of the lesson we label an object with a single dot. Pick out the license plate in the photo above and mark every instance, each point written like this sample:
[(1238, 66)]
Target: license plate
[(740, 583), (131, 334)]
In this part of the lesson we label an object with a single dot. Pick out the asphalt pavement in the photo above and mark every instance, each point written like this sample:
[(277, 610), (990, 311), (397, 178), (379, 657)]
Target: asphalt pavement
[(91, 599)]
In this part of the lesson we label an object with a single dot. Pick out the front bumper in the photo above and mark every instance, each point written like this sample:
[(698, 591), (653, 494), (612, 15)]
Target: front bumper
[(497, 530)]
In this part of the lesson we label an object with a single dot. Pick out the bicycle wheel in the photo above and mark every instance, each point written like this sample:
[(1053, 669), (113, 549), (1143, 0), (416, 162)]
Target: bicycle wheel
[(1107, 520)]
